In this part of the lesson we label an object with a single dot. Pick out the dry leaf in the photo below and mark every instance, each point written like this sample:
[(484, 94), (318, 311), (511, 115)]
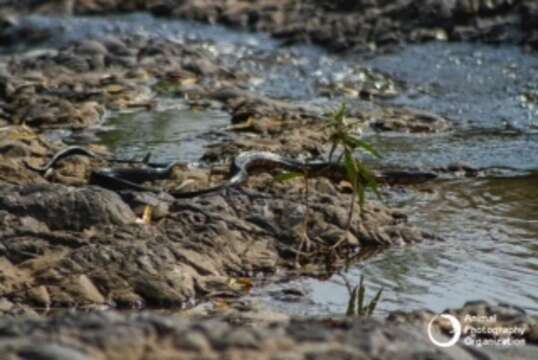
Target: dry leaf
[(114, 89), (146, 216), (240, 284)]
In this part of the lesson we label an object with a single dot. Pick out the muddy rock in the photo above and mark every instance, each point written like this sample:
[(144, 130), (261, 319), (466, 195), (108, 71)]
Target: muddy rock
[(96, 250), (17, 145), (404, 120), (73, 86)]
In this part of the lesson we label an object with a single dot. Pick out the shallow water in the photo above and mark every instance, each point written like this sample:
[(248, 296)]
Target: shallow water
[(477, 86), (479, 150), (67, 29), (169, 135), (490, 225)]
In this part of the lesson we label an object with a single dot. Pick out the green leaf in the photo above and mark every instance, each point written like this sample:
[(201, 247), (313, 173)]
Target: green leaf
[(352, 305), (373, 303), (355, 143), (369, 178), (362, 291), (361, 194), (341, 114), (351, 170)]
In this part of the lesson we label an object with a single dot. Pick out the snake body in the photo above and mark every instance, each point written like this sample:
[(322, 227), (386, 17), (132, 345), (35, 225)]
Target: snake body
[(243, 166), (62, 154), (78, 150)]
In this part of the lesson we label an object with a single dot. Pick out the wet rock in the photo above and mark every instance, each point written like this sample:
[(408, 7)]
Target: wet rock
[(360, 83), (245, 105), (92, 47), (405, 120), (7, 21), (55, 205), (116, 46), (46, 352), (15, 33)]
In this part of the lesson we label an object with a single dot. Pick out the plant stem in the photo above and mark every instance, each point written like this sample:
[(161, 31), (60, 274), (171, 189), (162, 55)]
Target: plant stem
[(351, 210)]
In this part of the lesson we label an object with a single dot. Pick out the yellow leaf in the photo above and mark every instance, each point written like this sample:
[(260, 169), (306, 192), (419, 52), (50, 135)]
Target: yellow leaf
[(114, 89), (146, 217), (247, 284), (240, 284)]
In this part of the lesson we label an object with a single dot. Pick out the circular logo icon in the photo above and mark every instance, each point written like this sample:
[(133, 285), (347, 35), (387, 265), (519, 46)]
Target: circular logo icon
[(456, 329)]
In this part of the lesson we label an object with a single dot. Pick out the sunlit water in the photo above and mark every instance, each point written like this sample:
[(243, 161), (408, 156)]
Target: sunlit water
[(490, 226)]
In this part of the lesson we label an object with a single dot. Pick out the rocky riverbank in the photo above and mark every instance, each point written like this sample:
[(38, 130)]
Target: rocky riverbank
[(338, 25), (65, 243)]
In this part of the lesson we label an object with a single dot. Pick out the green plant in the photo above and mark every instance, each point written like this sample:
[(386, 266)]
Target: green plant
[(356, 305), (343, 136), (344, 139)]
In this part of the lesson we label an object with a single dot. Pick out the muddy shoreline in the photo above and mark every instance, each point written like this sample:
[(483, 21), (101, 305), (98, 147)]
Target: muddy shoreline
[(45, 92), (65, 244)]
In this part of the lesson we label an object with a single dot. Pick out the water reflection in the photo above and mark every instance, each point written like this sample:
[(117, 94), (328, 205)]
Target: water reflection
[(519, 152), (172, 134), (490, 253)]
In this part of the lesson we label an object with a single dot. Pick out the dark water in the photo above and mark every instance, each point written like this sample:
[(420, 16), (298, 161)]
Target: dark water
[(490, 225)]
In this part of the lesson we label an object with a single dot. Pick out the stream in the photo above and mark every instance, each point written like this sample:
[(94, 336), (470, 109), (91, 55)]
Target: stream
[(490, 225)]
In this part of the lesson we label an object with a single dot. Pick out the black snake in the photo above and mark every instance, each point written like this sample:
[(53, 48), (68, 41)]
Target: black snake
[(244, 165)]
